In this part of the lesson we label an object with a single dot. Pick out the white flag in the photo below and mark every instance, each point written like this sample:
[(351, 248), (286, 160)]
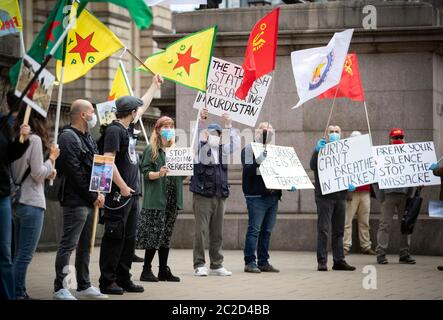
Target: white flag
[(319, 69), (152, 3)]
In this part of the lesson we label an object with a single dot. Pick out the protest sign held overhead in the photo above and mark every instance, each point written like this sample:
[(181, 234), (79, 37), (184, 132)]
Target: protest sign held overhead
[(10, 18), (223, 80), (106, 112), (180, 161), (39, 95), (282, 168), (405, 165), (101, 177), (319, 69), (344, 162)]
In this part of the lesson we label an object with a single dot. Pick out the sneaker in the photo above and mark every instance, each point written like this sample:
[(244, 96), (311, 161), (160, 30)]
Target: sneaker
[(63, 294), (201, 271), (25, 297), (166, 275), (252, 268), (369, 252), (268, 268), (322, 267), (113, 288), (91, 293), (406, 259), (440, 268), (220, 272), (381, 259), (342, 266)]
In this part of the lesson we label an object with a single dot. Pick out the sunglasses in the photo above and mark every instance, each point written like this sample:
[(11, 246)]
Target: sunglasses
[(397, 137)]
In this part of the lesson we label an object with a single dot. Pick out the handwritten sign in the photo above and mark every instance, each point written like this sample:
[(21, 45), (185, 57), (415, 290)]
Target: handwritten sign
[(405, 165), (344, 162), (281, 169), (223, 80), (101, 176), (180, 161)]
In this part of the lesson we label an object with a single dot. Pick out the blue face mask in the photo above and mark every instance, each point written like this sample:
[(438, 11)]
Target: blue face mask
[(167, 133), (334, 137)]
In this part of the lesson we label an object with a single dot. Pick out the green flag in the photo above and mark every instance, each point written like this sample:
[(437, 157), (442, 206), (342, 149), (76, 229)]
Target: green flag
[(138, 9), (45, 40)]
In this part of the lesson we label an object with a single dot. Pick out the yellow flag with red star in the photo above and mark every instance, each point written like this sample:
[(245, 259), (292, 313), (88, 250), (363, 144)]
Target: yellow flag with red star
[(120, 86), (187, 60), (88, 43)]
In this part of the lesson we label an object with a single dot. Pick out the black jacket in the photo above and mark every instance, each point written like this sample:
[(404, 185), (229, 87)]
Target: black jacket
[(340, 195), (252, 183), (10, 150), (76, 166)]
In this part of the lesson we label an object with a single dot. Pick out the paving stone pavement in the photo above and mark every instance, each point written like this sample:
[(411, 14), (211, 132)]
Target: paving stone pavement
[(298, 279)]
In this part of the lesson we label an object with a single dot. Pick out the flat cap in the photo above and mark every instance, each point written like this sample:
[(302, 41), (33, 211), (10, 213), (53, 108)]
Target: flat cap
[(128, 103)]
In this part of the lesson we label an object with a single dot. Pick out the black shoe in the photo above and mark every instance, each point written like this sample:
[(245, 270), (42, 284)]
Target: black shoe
[(342, 266), (25, 297), (406, 259), (268, 268), (166, 275), (132, 287), (381, 259), (252, 268), (136, 258), (440, 268), (322, 267), (148, 276), (112, 289)]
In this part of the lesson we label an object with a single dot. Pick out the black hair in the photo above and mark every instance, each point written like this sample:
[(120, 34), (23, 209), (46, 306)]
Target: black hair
[(123, 114), (11, 100)]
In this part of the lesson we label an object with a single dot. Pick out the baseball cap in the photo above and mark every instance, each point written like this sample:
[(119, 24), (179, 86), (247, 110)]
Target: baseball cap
[(128, 103), (215, 127), (396, 132)]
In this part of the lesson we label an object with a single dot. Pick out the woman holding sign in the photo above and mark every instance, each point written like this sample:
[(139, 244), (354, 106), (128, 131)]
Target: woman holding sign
[(163, 197)]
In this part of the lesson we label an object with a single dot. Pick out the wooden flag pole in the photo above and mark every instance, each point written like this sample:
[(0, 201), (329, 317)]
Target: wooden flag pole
[(137, 58), (94, 228), (367, 120), (332, 109), (42, 66), (26, 121)]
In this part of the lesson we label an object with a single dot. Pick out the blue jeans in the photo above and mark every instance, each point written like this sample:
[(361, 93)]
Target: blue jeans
[(262, 214), (28, 228), (7, 287)]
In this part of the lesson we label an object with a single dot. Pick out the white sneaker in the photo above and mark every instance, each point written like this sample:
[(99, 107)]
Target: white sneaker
[(91, 293), (63, 294), (220, 272), (201, 271)]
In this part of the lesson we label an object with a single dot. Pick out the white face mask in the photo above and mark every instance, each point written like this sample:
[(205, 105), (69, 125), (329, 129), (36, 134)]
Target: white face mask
[(92, 122), (213, 141)]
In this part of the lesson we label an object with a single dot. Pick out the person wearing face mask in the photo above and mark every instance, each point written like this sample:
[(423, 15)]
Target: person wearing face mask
[(162, 198), (77, 150), (331, 210), (210, 189), (393, 201), (262, 204)]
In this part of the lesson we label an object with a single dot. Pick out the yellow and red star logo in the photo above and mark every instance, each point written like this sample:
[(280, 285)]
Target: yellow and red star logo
[(83, 46), (185, 60)]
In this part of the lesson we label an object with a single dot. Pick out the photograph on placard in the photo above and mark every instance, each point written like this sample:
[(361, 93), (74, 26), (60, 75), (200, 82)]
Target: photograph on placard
[(101, 177)]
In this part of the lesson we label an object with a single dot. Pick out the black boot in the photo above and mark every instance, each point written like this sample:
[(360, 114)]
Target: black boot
[(147, 275), (164, 274)]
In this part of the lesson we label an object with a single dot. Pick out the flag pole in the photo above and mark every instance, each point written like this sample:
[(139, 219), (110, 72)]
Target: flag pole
[(367, 120), (332, 109), (125, 76), (139, 61), (42, 66)]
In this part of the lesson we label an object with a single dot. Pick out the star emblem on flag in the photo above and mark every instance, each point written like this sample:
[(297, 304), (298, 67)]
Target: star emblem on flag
[(83, 46), (185, 60)]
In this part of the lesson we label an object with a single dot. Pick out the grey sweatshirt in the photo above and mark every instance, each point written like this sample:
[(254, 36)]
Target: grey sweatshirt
[(33, 188)]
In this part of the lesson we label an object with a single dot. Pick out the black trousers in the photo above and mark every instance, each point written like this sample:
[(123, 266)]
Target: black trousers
[(118, 244)]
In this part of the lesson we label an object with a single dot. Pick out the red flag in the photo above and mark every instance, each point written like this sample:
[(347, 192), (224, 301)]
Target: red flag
[(260, 53), (350, 82)]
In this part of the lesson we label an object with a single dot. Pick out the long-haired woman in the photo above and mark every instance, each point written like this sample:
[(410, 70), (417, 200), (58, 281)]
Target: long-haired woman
[(163, 197), (31, 170)]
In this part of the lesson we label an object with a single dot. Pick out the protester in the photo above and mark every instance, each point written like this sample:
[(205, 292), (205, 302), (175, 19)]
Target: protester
[(358, 202), (262, 204), (210, 189), (331, 213), (77, 149), (30, 171), (393, 201), (10, 150), (163, 197), (438, 171)]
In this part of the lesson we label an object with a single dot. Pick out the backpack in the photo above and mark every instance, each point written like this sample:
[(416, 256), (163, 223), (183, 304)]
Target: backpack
[(57, 190)]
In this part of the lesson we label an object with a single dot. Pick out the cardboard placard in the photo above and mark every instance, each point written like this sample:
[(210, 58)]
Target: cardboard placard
[(101, 176), (180, 161), (282, 168), (106, 112)]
